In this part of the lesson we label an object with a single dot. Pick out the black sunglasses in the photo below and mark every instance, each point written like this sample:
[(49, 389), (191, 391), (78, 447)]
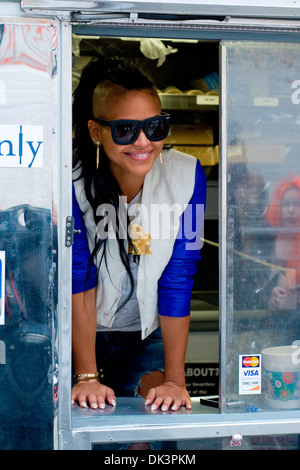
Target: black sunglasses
[(127, 131)]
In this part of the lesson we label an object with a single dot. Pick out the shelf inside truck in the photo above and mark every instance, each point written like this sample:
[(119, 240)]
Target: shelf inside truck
[(203, 102)]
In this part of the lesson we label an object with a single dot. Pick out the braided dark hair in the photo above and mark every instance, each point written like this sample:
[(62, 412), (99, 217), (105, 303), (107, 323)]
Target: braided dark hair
[(100, 185)]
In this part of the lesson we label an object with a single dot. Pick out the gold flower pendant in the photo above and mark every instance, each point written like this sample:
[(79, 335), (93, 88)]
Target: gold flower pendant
[(140, 240)]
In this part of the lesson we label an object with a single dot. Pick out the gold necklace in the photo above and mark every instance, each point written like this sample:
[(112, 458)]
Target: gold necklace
[(140, 239)]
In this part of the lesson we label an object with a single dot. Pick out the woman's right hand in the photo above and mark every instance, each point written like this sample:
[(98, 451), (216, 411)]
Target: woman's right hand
[(93, 394)]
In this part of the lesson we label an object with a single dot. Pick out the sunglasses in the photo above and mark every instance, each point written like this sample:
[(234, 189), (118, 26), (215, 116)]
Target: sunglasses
[(127, 131)]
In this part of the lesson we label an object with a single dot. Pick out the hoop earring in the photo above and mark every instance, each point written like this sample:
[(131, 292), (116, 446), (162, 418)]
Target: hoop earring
[(161, 159)]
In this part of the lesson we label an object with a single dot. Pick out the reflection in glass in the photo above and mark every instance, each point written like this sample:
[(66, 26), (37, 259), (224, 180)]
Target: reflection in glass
[(263, 211), (28, 236)]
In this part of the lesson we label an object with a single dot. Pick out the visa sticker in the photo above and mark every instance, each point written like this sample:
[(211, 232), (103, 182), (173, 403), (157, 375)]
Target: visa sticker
[(249, 374), (2, 287)]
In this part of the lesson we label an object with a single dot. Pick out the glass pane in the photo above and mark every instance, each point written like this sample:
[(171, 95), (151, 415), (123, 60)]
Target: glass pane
[(263, 226), (28, 238), (172, 451), (164, 450)]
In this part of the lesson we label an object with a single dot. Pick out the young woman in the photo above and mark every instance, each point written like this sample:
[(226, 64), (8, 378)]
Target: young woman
[(131, 294)]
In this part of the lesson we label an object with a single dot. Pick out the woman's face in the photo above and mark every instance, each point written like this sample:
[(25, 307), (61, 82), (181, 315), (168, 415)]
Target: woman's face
[(133, 160), (290, 208)]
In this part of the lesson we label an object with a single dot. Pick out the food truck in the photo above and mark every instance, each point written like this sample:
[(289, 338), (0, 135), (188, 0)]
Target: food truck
[(228, 73)]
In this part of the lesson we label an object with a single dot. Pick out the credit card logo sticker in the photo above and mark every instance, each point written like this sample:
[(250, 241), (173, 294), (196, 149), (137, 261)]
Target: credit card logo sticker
[(250, 361), (249, 374)]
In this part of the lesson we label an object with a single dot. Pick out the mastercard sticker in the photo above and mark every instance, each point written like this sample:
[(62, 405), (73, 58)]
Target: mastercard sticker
[(249, 374)]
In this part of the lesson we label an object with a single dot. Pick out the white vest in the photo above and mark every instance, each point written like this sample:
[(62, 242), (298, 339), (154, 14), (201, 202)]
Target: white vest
[(168, 184)]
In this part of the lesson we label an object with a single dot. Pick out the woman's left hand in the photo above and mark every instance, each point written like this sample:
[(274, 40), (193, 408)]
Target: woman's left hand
[(168, 395)]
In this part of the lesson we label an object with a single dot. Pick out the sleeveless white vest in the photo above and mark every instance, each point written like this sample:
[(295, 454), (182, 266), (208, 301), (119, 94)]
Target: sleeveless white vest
[(166, 185)]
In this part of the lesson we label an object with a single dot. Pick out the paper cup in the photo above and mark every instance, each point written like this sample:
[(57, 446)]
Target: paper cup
[(282, 374)]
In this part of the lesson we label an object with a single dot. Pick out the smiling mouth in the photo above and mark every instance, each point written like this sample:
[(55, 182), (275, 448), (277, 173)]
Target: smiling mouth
[(139, 155)]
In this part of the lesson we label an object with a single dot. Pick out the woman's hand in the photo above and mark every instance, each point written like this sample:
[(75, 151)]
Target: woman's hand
[(172, 393), (93, 393), (168, 394)]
